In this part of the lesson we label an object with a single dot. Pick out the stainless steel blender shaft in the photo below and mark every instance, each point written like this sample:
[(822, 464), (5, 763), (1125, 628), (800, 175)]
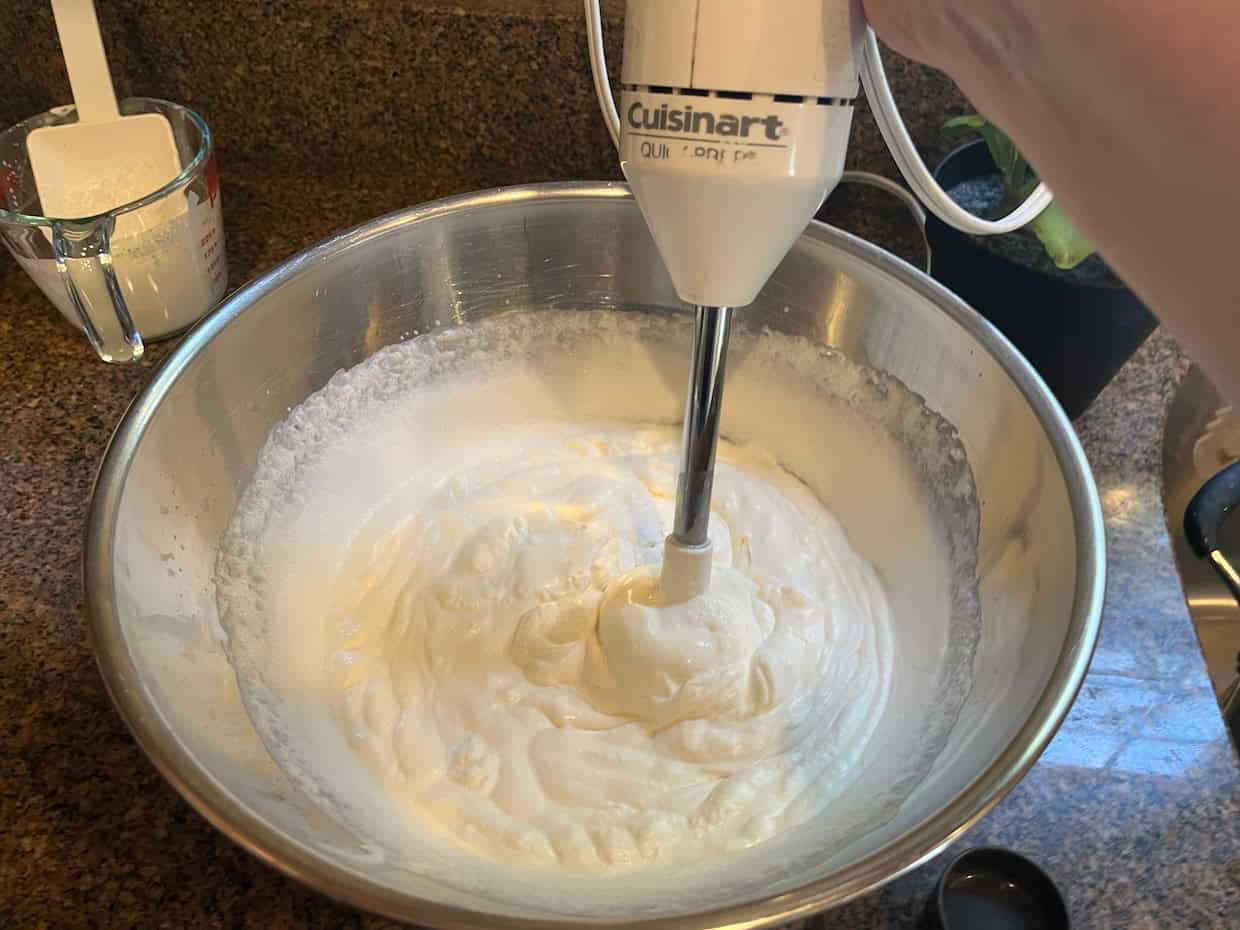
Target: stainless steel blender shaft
[(703, 408)]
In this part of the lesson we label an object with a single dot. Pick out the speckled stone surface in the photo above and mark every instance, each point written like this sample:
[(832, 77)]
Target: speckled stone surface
[(437, 94), (1133, 809)]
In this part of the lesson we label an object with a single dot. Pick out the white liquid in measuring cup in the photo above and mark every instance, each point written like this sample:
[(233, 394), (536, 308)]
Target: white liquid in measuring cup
[(168, 256)]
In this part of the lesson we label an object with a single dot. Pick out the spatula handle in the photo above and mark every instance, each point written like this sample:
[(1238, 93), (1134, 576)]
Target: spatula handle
[(85, 60)]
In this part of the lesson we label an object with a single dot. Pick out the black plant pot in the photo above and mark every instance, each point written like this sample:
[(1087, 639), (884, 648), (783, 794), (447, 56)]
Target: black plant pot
[(1077, 335)]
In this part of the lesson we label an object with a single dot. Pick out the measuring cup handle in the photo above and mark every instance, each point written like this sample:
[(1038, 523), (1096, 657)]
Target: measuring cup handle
[(905, 196), (84, 260)]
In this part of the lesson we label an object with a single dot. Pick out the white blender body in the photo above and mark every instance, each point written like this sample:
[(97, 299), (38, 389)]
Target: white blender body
[(733, 126), (732, 129), (733, 132)]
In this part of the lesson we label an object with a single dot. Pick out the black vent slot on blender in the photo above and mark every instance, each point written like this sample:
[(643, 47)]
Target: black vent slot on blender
[(736, 95), (664, 89), (820, 101)]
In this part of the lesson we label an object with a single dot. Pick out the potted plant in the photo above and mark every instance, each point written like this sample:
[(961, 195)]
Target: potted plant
[(1043, 286)]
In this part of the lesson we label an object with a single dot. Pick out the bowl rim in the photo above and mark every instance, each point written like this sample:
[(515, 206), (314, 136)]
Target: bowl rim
[(229, 814)]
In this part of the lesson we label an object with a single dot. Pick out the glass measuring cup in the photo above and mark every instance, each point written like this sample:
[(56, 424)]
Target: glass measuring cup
[(144, 270)]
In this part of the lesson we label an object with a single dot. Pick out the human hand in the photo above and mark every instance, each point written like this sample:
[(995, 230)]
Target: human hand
[(984, 45)]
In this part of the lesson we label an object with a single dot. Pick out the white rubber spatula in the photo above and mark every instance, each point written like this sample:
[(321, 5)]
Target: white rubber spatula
[(103, 160)]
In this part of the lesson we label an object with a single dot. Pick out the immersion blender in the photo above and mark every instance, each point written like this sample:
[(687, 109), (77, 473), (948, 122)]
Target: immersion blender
[(733, 124)]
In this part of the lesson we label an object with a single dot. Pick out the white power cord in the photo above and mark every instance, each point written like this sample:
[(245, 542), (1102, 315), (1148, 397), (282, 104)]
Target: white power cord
[(890, 124), (914, 170), (598, 65)]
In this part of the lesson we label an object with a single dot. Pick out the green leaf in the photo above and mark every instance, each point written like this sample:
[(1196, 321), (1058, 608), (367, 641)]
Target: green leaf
[(1007, 158), (1063, 242), (972, 121)]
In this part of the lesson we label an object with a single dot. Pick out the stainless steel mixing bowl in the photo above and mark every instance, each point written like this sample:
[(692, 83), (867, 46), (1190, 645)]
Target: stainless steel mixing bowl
[(188, 446)]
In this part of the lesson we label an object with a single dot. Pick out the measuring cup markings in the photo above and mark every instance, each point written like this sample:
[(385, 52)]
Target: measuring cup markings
[(145, 269)]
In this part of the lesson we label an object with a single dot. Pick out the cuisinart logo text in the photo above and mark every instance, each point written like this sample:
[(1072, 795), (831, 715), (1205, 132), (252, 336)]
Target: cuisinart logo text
[(702, 122)]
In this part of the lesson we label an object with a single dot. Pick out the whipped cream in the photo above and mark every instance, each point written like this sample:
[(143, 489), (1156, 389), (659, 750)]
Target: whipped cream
[(506, 663), (455, 582)]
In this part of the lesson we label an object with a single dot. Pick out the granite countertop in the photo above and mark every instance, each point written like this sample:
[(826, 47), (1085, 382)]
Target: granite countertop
[(1133, 808)]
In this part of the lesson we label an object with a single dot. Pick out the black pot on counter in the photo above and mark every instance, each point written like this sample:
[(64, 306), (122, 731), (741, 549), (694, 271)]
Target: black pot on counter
[(1076, 328)]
